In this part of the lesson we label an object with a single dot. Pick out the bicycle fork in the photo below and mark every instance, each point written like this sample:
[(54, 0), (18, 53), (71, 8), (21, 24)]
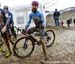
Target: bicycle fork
[(25, 44)]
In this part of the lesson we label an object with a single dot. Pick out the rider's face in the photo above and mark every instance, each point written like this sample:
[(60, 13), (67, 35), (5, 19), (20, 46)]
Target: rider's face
[(5, 10), (34, 8)]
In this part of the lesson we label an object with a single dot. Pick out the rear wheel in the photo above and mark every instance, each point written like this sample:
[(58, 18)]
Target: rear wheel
[(50, 38), (23, 47)]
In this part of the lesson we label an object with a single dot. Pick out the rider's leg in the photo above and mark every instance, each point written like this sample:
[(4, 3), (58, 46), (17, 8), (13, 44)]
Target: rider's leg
[(58, 22), (7, 43), (42, 31), (9, 37), (13, 31), (55, 22)]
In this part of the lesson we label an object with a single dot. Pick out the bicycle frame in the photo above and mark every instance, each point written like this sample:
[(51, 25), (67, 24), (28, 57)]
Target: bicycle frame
[(32, 38), (28, 35)]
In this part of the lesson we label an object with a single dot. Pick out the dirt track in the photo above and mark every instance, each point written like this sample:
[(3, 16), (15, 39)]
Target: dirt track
[(62, 51)]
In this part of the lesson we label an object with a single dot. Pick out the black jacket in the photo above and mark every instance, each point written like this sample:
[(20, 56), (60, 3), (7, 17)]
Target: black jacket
[(56, 14)]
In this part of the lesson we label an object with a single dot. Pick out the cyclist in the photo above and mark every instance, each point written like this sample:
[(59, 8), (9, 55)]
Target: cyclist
[(56, 16), (38, 19), (4, 28), (36, 16), (7, 12)]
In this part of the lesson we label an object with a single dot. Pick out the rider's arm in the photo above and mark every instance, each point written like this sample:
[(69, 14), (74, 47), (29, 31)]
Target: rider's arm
[(11, 21), (28, 23), (8, 20)]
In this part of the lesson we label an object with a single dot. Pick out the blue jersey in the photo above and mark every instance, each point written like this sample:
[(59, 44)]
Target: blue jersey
[(1, 12), (9, 18), (36, 17)]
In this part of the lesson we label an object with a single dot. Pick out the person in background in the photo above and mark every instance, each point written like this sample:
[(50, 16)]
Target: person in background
[(69, 21), (56, 16), (74, 22), (62, 23)]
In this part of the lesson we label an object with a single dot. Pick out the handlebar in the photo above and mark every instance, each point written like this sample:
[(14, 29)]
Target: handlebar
[(23, 31), (28, 32)]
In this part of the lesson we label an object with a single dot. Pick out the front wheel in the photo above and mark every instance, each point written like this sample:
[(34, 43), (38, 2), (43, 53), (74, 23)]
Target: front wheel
[(50, 38), (23, 47)]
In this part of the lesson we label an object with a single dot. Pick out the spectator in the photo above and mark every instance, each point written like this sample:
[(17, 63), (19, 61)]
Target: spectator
[(62, 23), (74, 21), (69, 21), (56, 16)]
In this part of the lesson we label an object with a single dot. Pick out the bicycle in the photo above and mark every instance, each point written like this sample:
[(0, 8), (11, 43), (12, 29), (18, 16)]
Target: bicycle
[(27, 43)]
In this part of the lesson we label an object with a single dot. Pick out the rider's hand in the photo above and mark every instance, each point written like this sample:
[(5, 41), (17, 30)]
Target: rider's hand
[(11, 25), (6, 15), (3, 29), (44, 25), (23, 31)]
